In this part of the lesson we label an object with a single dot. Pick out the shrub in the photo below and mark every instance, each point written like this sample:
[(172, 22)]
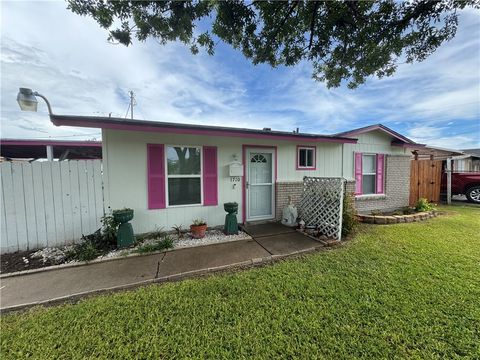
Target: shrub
[(109, 229), (349, 219), (424, 205), (178, 230), (156, 234), (99, 243), (165, 243), (85, 251)]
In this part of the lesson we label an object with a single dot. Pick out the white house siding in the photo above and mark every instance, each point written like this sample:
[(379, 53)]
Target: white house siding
[(375, 142), (125, 173), (397, 171)]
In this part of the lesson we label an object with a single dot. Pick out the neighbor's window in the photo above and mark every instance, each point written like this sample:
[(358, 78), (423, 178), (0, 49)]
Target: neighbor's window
[(369, 174), (184, 176), (305, 157)]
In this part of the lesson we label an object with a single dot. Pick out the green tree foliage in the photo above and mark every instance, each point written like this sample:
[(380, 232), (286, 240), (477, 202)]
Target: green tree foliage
[(344, 40)]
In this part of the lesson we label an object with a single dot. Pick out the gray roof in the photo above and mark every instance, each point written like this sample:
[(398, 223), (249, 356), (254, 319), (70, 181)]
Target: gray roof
[(474, 152)]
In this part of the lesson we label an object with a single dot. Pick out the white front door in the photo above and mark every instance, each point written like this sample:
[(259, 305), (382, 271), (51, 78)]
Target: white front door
[(260, 184)]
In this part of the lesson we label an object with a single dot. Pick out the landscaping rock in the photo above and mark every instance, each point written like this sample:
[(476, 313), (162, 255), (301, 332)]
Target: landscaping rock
[(369, 219), (391, 219), (213, 236), (382, 220), (400, 218), (52, 255)]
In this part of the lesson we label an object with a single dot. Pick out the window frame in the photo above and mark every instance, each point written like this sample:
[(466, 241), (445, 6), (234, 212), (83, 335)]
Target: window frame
[(167, 176), (370, 174), (314, 160)]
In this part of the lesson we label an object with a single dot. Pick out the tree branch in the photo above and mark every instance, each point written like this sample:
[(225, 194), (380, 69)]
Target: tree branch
[(312, 25), (285, 18)]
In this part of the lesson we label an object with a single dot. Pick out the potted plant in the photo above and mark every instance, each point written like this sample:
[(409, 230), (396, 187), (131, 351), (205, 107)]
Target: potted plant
[(198, 228), (123, 215)]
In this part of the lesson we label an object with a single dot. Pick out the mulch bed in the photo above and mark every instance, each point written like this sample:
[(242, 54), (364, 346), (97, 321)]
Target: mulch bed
[(15, 262)]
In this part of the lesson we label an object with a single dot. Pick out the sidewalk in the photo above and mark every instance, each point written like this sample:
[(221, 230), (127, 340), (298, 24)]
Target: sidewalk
[(74, 282)]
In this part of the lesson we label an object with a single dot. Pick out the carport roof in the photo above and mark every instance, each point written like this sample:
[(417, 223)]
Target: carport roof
[(37, 149)]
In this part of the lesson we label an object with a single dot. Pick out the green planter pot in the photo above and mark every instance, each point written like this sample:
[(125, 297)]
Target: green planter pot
[(125, 236), (123, 216), (231, 225)]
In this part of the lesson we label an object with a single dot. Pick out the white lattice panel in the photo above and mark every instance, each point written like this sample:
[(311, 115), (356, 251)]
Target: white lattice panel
[(321, 205)]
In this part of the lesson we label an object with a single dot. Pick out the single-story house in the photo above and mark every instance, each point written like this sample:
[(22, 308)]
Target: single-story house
[(171, 174), (469, 162)]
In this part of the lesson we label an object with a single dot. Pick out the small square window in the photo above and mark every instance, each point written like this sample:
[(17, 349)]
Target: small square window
[(305, 158)]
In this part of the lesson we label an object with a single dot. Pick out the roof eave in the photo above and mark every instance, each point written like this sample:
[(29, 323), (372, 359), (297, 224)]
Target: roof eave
[(115, 124), (408, 145), (380, 127)]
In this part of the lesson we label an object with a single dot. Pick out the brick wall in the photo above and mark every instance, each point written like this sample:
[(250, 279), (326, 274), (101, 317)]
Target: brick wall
[(397, 187), (284, 190)]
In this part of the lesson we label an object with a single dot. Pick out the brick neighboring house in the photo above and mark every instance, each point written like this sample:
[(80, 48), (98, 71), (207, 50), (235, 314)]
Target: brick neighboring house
[(172, 173)]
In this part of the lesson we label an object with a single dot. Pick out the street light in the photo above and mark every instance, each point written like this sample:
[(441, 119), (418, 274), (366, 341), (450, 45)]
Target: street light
[(27, 100)]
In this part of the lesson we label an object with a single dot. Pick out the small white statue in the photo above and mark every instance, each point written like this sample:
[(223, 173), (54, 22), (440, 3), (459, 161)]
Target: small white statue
[(290, 214), (301, 223)]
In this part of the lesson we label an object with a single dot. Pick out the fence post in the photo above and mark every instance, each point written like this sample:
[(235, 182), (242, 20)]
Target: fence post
[(449, 180)]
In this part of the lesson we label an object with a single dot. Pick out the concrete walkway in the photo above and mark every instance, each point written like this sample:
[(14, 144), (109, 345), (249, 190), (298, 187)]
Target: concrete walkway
[(73, 282)]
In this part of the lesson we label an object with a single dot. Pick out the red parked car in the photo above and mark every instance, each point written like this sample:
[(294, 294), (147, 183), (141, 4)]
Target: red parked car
[(464, 183)]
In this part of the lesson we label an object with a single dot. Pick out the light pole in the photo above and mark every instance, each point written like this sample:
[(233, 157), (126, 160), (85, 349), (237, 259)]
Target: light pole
[(27, 100)]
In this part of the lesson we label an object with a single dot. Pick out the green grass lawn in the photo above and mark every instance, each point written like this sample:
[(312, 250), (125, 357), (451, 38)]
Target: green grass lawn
[(397, 291)]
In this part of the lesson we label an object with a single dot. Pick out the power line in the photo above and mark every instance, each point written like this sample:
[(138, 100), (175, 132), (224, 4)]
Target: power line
[(126, 112)]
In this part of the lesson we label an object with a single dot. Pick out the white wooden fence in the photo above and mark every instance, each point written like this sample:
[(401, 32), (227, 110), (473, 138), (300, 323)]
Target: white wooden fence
[(49, 203)]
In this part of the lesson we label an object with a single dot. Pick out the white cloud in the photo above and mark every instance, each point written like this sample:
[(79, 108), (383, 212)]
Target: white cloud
[(67, 57)]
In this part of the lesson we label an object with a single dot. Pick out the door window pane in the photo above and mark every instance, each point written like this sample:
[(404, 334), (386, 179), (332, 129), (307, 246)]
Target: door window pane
[(183, 160), (261, 169), (184, 191)]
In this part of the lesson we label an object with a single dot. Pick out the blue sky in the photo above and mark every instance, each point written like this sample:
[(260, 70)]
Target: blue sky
[(68, 59)]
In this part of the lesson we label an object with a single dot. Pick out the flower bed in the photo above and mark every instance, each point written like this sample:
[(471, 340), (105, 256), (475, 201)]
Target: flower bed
[(28, 260), (395, 219)]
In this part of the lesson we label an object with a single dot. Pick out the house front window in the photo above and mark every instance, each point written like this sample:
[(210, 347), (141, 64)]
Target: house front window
[(369, 174), (184, 175), (305, 158)]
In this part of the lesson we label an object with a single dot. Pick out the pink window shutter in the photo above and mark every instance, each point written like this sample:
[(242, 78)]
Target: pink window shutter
[(210, 176), (380, 173), (156, 176), (358, 173)]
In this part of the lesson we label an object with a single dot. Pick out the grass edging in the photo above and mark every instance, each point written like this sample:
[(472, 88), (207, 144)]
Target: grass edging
[(101, 260), (255, 262)]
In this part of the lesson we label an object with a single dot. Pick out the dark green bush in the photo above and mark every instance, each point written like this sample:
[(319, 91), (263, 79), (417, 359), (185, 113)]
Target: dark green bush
[(109, 230), (349, 219), (86, 251), (99, 243)]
